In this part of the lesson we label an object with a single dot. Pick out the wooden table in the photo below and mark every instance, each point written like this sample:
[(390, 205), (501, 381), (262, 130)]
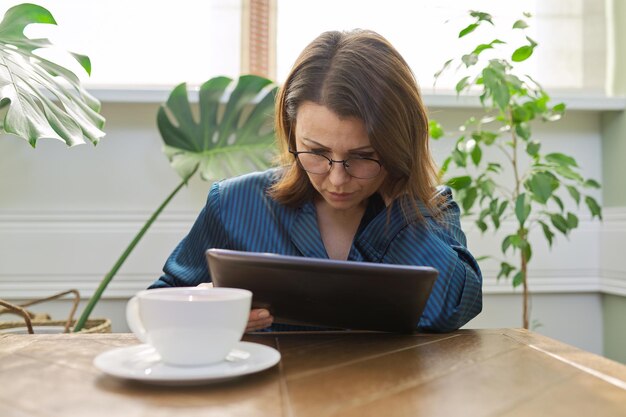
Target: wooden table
[(465, 373)]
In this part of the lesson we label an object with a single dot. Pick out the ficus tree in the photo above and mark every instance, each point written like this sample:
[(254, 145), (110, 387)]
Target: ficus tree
[(530, 189)]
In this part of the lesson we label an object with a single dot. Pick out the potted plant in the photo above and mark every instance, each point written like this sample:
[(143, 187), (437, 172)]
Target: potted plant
[(533, 189), (42, 99), (234, 135)]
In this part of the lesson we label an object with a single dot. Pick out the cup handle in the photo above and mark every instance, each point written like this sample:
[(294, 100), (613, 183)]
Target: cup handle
[(133, 319)]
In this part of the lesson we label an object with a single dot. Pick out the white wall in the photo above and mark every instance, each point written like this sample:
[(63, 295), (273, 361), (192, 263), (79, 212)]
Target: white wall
[(66, 214)]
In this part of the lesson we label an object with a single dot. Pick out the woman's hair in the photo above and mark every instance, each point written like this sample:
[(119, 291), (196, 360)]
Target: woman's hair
[(360, 74)]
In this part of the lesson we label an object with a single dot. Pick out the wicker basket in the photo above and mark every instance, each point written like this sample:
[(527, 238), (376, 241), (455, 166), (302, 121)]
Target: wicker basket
[(42, 323), (55, 326)]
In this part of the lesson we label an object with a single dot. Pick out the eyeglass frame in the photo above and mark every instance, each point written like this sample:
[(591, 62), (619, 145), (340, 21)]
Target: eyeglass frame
[(331, 163)]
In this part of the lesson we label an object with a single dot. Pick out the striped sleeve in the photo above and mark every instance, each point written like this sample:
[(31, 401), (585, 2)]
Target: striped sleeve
[(187, 265), (456, 296)]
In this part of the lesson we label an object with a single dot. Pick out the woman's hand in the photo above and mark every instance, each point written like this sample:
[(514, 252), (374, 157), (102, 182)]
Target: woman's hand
[(260, 318)]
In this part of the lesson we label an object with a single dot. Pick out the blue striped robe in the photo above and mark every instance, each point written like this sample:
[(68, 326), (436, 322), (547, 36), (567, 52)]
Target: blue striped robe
[(239, 215)]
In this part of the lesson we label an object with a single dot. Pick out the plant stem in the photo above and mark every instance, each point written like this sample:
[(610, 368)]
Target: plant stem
[(514, 156), (109, 277), (523, 234)]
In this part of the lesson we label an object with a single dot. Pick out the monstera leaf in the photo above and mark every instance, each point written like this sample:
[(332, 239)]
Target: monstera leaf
[(38, 98), (231, 134)]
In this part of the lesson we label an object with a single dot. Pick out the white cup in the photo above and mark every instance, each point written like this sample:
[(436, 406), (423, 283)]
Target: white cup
[(190, 326)]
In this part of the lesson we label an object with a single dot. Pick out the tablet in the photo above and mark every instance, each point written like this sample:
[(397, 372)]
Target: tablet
[(329, 293)]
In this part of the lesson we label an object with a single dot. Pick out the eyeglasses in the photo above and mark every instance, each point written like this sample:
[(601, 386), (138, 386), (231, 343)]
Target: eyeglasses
[(315, 163)]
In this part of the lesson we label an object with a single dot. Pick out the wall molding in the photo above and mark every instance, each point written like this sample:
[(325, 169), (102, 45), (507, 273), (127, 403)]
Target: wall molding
[(18, 286), (612, 268), (95, 238), (434, 99), (27, 218), (27, 286)]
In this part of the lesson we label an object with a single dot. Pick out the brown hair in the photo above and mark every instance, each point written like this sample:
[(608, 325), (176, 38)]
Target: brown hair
[(360, 74)]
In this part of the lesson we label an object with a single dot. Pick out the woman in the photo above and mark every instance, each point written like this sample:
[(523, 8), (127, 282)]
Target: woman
[(356, 182)]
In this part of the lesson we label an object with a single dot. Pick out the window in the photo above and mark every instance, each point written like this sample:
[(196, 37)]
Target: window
[(142, 43), (570, 33)]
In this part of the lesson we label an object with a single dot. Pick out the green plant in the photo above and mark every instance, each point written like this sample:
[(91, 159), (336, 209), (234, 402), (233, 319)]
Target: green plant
[(531, 189), (39, 98), (232, 134)]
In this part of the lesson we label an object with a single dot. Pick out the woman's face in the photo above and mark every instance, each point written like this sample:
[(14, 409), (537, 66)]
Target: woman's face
[(320, 130)]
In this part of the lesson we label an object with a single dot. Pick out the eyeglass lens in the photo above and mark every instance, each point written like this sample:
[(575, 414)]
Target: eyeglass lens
[(357, 167)]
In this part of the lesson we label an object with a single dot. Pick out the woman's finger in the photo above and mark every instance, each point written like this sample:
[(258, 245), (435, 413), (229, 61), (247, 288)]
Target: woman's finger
[(259, 324)]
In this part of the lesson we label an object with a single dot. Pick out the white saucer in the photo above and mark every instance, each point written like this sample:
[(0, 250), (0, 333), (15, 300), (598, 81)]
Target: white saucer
[(143, 363)]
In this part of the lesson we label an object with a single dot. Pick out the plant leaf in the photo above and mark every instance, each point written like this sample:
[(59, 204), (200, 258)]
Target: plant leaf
[(459, 158), (573, 191), (469, 198), (520, 24), (532, 148), (494, 167), (459, 183), (558, 201), (45, 99), (522, 130), (560, 223), (481, 16), (469, 60), (522, 53), (443, 68), (594, 207), (547, 232), (561, 159), (542, 185), (567, 172), (495, 86), (444, 166), (234, 134), (505, 270), (506, 243), (435, 129), (494, 213), (591, 183), (488, 137), (521, 114), (461, 84), (484, 46), (476, 155), (522, 208), (487, 186), (572, 220), (503, 205), (467, 30), (480, 48)]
